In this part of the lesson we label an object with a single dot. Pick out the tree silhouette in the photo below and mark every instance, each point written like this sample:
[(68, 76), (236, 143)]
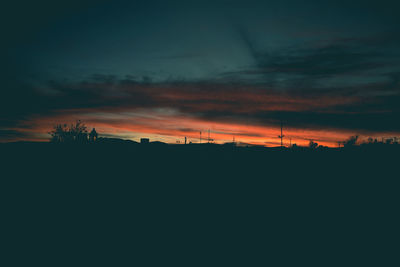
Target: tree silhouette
[(59, 133), (75, 133), (312, 144), (351, 141)]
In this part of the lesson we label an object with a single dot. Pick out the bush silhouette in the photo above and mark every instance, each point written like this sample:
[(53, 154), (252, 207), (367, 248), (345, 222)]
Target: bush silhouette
[(312, 144), (74, 133), (352, 141)]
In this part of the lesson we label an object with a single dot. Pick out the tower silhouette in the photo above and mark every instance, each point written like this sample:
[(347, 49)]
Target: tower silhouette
[(208, 138)]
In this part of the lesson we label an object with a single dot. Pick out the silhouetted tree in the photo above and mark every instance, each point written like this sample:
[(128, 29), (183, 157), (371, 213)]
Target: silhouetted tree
[(351, 141), (75, 133), (59, 134), (389, 141), (312, 144)]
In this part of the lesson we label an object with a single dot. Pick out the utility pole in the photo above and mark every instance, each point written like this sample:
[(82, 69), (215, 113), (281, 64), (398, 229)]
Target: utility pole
[(281, 136), (200, 137), (208, 135)]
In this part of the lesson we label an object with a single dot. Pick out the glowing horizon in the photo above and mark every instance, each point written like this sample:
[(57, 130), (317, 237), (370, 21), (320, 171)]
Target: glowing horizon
[(170, 69), (169, 126)]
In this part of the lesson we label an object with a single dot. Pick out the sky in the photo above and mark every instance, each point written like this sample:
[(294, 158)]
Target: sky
[(170, 69)]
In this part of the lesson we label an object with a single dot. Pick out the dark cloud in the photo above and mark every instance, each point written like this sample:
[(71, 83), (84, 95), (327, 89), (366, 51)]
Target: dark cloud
[(314, 64), (12, 134), (236, 103)]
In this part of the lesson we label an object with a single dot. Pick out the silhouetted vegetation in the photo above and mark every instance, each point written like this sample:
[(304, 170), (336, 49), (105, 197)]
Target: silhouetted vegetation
[(312, 144), (352, 141), (77, 133), (73, 133)]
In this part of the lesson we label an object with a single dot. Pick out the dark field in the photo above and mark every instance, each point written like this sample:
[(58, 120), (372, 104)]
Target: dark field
[(130, 204)]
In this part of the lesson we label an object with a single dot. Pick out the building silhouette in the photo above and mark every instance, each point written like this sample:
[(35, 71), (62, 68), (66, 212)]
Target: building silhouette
[(93, 135), (144, 140)]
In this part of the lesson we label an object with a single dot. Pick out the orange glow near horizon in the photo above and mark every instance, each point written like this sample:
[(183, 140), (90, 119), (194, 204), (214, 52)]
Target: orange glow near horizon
[(167, 125)]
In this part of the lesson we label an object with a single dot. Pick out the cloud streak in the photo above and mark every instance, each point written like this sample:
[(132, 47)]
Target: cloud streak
[(185, 108), (239, 71)]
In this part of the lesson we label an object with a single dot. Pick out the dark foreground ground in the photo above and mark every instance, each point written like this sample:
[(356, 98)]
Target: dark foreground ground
[(160, 205)]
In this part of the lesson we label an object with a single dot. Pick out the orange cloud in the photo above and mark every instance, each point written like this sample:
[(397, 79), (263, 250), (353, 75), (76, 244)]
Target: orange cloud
[(170, 126)]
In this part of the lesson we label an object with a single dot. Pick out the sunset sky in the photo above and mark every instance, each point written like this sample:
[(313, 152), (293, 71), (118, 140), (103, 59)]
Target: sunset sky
[(170, 69)]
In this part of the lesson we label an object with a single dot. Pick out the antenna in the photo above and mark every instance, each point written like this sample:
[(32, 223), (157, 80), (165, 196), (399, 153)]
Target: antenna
[(209, 139)]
